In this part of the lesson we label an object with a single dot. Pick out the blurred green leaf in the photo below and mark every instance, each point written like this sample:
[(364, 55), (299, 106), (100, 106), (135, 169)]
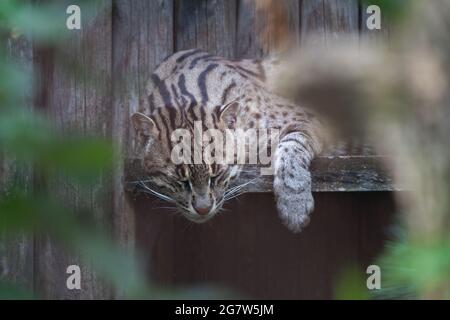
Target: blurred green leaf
[(409, 268), (17, 213), (351, 284), (30, 138), (44, 21), (114, 264), (79, 157), (20, 212), (13, 82), (394, 10), (11, 291)]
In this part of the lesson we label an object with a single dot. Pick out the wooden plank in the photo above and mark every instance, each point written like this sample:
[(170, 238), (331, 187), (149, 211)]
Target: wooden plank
[(336, 174), (75, 91), (328, 20), (246, 247), (329, 174), (16, 254), (142, 37), (207, 24), (257, 35)]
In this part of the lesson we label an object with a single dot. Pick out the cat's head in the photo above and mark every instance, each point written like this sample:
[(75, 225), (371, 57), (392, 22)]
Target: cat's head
[(198, 189)]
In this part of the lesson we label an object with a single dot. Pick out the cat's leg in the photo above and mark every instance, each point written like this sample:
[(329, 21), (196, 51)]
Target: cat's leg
[(292, 180)]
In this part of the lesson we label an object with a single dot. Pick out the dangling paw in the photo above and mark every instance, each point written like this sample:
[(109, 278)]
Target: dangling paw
[(294, 209), (294, 200)]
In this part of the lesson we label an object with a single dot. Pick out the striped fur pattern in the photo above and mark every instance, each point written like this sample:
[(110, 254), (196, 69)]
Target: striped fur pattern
[(194, 85)]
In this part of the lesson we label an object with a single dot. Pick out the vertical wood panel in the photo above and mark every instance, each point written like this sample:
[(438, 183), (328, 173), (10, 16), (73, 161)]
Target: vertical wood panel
[(142, 37), (16, 254), (329, 20), (76, 82), (206, 24)]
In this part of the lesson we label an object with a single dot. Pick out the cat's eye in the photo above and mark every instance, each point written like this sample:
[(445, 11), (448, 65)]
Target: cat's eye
[(185, 184)]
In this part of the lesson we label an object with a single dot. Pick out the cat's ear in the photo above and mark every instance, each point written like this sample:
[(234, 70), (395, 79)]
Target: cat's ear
[(229, 114), (144, 125)]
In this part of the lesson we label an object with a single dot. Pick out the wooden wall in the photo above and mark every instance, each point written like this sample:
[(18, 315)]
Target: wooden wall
[(247, 248)]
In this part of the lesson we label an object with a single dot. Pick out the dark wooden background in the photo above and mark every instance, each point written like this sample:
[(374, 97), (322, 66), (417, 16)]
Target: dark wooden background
[(246, 248)]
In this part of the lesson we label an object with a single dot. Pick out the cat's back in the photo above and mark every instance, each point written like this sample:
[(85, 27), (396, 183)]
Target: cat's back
[(195, 61), (207, 78)]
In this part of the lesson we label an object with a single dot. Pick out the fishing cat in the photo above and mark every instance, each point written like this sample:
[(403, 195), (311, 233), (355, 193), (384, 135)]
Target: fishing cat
[(193, 85)]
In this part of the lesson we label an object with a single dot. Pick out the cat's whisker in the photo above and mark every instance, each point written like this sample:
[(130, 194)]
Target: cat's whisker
[(246, 171), (151, 193), (222, 209), (231, 193), (156, 193), (246, 183), (233, 196)]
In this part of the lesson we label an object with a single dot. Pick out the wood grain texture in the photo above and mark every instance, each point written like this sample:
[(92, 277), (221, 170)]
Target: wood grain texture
[(75, 90), (329, 174), (328, 20), (206, 24), (246, 248), (16, 253), (142, 37)]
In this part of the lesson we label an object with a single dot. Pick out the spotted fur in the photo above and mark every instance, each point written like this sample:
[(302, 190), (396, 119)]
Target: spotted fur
[(193, 85)]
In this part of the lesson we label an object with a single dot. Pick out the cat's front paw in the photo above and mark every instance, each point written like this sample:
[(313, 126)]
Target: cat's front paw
[(294, 209), (294, 199)]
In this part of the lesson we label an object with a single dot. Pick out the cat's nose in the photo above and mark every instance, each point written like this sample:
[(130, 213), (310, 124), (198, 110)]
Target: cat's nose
[(203, 211), (202, 204)]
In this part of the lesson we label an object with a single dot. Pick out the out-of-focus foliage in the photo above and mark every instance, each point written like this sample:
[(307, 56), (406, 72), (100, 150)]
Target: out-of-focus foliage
[(416, 269), (12, 291), (350, 284), (28, 138), (394, 10), (41, 20), (399, 95)]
